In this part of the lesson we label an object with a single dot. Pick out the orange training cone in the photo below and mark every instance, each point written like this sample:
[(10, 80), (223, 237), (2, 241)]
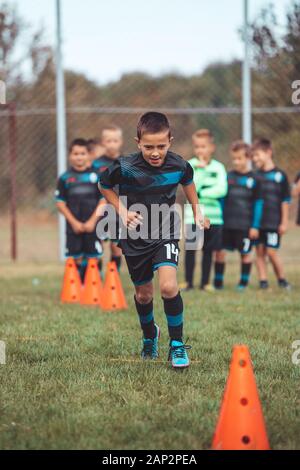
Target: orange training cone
[(241, 423), (92, 290), (113, 295), (71, 290)]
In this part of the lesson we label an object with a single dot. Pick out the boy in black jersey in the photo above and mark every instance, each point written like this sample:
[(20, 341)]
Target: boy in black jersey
[(112, 142), (149, 180), (78, 199), (243, 208), (277, 196), (296, 193)]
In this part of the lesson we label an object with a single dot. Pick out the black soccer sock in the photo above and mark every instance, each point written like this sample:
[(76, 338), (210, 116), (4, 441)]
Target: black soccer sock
[(206, 267), (245, 274), (219, 275), (82, 269), (145, 313), (189, 263), (117, 260), (100, 266), (174, 313)]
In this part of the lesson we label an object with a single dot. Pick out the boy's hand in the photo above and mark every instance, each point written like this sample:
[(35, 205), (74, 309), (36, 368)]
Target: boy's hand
[(282, 229), (131, 219), (78, 227), (202, 164), (89, 226), (202, 222), (253, 233)]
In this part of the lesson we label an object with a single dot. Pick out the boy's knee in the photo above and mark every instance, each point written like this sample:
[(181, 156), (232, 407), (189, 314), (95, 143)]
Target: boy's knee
[(271, 253), (144, 294), (169, 289)]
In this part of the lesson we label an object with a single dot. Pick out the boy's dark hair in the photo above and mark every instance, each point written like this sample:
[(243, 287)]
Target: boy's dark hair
[(153, 123), (262, 144), (80, 142), (238, 145), (92, 143)]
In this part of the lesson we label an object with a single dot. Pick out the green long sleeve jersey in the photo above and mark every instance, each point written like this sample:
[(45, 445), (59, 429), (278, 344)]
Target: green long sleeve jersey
[(211, 186)]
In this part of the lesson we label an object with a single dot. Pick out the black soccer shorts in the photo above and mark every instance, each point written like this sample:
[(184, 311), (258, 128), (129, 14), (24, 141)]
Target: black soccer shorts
[(269, 238), (83, 245), (142, 267), (237, 240)]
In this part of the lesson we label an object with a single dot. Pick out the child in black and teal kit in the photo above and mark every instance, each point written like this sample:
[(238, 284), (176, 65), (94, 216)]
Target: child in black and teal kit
[(78, 200), (243, 209), (276, 194), (150, 178)]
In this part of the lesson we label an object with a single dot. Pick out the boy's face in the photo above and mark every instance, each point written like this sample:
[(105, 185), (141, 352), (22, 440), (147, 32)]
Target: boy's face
[(79, 157), (261, 158), (204, 148), (154, 147), (112, 142), (240, 162)]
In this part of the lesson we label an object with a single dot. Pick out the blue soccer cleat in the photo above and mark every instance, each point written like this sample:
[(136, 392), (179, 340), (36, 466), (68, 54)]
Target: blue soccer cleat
[(150, 346), (178, 355)]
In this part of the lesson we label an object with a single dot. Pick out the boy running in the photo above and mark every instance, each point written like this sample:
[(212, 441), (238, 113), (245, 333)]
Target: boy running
[(150, 178), (78, 199), (276, 195)]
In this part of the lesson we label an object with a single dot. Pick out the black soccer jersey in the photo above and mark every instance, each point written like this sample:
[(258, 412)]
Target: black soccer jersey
[(243, 204), (79, 190), (298, 215), (102, 163), (275, 190), (149, 188)]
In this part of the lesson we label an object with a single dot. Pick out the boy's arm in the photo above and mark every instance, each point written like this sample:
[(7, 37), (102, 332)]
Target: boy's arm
[(258, 207), (219, 189), (285, 209), (76, 225), (90, 224), (130, 219), (192, 197), (296, 187), (61, 195), (107, 180), (285, 206)]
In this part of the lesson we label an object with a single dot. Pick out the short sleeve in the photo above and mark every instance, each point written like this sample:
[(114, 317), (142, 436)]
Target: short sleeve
[(188, 175), (111, 176), (285, 189), (61, 191)]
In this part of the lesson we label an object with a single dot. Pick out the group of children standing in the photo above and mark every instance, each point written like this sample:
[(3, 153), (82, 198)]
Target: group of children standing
[(79, 200), (247, 207)]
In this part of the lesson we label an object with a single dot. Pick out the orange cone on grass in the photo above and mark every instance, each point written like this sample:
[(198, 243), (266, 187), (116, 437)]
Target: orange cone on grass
[(241, 424), (92, 289), (113, 297), (71, 289)]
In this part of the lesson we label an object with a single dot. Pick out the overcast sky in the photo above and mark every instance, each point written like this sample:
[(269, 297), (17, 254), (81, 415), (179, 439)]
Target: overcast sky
[(104, 39)]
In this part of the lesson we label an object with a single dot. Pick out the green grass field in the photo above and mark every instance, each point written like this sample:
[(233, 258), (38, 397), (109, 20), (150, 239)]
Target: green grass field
[(74, 380)]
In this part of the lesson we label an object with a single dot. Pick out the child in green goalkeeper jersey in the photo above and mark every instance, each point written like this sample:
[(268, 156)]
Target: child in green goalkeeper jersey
[(211, 184)]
